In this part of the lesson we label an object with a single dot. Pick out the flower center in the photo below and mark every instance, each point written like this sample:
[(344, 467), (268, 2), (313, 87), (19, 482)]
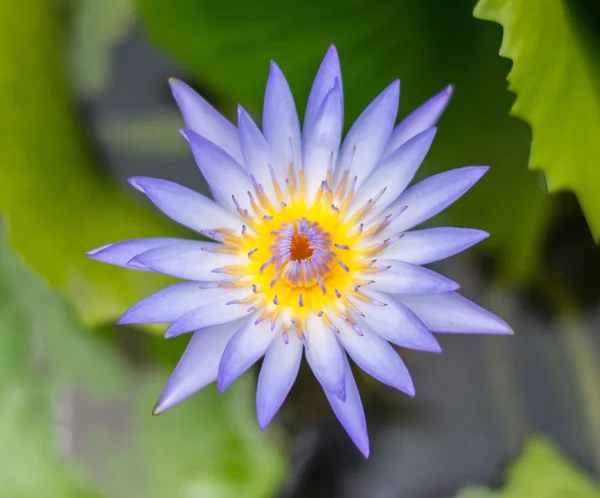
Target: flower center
[(301, 251), (301, 247)]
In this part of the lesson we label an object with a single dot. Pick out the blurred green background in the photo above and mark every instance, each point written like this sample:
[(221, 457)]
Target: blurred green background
[(84, 103)]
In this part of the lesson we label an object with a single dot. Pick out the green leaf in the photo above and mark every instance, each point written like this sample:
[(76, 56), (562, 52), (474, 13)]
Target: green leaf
[(95, 29), (209, 446), (58, 202), (556, 79), (541, 472), (42, 345), (428, 44)]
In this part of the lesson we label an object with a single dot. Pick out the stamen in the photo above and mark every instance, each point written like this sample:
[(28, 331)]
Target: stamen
[(276, 187), (343, 247), (343, 265)]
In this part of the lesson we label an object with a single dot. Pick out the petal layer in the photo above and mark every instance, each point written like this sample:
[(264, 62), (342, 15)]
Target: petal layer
[(198, 366), (185, 206), (205, 120), (421, 247), (121, 253), (246, 347), (451, 312), (277, 376), (350, 411), (325, 357), (419, 120), (412, 279)]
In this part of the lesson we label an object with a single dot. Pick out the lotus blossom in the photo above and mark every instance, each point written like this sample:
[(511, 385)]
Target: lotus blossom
[(312, 249)]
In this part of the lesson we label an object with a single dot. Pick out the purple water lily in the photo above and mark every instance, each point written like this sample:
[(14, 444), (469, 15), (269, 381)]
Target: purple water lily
[(312, 249)]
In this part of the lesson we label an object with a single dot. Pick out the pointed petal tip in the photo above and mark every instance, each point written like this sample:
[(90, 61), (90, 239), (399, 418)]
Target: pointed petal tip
[(136, 263), (93, 253), (274, 68), (185, 133), (124, 319), (137, 183), (365, 450)]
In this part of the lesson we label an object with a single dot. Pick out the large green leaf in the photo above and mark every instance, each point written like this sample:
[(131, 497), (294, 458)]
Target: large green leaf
[(209, 446), (555, 76), (59, 204), (540, 472), (427, 43)]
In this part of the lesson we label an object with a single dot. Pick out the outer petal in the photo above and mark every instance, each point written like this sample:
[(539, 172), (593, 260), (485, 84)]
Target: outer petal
[(202, 118), (450, 312), (432, 195), (245, 348), (328, 72), (185, 206), (322, 140), (222, 309), (224, 175), (325, 357), (394, 174), (376, 357), (280, 122), (397, 324), (277, 375), (170, 303), (411, 279), (368, 136), (419, 120), (350, 411), (421, 247), (257, 153), (198, 366), (190, 259), (121, 253)]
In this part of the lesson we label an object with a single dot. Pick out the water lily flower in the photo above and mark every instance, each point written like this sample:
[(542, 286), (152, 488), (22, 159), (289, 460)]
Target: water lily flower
[(311, 247)]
